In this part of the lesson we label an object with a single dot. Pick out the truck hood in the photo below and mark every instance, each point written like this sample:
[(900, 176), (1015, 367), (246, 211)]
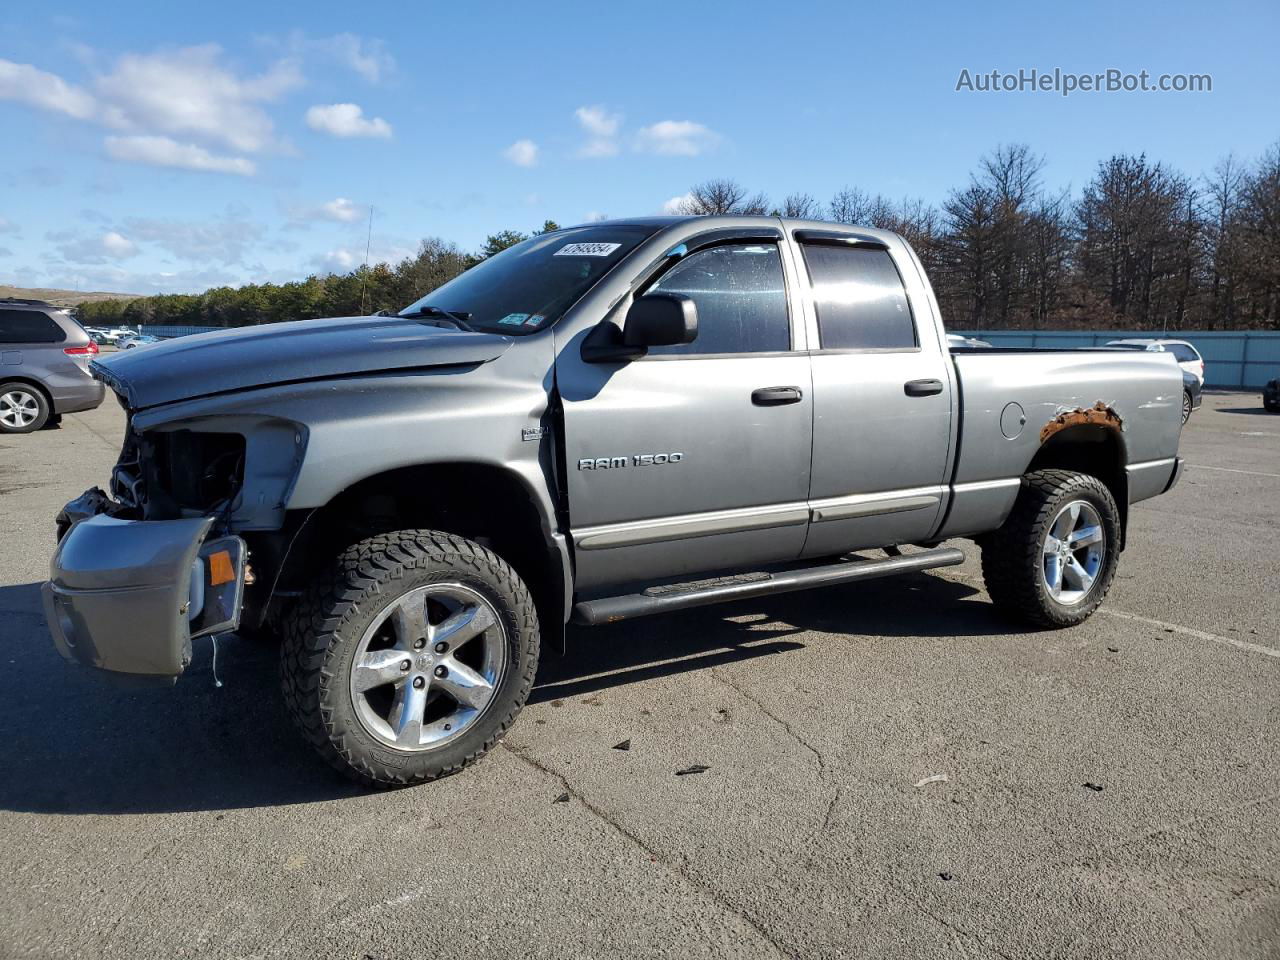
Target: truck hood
[(244, 358)]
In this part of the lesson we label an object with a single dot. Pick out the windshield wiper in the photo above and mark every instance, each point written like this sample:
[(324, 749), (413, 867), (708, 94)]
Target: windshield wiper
[(459, 320)]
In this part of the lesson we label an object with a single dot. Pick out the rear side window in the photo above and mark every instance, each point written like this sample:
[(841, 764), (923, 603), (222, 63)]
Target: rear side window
[(860, 299), (741, 298), (29, 326), (1183, 352)]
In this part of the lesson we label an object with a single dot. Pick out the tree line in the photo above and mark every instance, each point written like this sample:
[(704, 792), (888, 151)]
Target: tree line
[(1141, 246)]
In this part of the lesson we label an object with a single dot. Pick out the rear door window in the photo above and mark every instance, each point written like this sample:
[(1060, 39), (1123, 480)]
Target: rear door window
[(29, 326), (860, 299), (1183, 352)]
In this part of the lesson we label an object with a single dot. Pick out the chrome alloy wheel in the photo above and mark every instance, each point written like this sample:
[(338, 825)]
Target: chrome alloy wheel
[(1074, 551), (428, 666), (18, 409)]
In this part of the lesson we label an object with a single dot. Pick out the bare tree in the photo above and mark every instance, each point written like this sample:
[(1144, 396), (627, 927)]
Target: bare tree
[(1224, 198), (723, 196), (1260, 217), (801, 206), (849, 205)]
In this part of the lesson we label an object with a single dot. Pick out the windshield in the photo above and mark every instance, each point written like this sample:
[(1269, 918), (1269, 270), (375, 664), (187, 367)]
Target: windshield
[(529, 286)]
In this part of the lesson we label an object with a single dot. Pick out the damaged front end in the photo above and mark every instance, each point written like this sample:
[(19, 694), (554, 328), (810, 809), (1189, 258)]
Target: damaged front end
[(128, 596), (143, 570)]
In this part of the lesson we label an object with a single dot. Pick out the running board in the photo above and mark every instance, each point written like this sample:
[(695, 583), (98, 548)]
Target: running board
[(613, 609)]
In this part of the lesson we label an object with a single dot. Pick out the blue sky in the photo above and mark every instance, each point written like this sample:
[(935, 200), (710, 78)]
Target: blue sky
[(170, 147)]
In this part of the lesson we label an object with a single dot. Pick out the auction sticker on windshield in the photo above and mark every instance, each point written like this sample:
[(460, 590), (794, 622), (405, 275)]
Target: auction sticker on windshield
[(587, 249), (514, 319)]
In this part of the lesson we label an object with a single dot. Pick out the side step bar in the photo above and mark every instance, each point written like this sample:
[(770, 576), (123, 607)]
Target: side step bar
[(613, 609)]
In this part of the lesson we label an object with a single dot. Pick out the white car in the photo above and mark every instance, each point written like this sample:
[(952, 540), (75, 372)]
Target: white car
[(1188, 357)]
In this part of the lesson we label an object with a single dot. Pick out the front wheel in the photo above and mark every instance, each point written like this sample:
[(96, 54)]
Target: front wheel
[(1186, 405), (1053, 560), (412, 659)]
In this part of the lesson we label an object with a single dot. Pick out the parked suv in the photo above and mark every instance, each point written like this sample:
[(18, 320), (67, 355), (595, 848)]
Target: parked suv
[(44, 366), (1188, 357)]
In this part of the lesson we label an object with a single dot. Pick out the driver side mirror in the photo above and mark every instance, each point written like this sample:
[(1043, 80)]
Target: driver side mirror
[(661, 320), (654, 320)]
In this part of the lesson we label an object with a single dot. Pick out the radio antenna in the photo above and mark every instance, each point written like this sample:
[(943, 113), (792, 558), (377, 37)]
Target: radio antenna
[(368, 240)]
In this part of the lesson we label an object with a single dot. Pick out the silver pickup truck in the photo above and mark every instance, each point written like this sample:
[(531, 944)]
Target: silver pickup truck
[(608, 421)]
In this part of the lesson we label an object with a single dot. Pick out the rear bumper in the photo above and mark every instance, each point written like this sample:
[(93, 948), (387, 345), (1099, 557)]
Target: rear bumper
[(128, 596), (73, 399)]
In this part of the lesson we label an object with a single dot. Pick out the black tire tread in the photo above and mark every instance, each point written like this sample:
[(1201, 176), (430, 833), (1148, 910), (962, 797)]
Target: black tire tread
[(354, 579), (1011, 554), (46, 406)]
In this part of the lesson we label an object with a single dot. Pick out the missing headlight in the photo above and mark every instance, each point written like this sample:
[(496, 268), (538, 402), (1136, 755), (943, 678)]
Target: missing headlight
[(188, 470)]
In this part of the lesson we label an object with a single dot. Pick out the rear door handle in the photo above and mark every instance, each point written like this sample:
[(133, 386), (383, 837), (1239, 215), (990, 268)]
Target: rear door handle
[(775, 396), (922, 388)]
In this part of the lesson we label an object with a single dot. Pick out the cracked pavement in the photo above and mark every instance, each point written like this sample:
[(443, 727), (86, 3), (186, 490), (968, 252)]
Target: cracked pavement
[(193, 823)]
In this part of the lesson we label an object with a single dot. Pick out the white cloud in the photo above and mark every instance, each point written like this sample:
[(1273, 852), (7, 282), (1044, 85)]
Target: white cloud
[(367, 57), (117, 245), (226, 240), (602, 128), (338, 210), (346, 120), (166, 152), (341, 210), (598, 122), (346, 259), (676, 206), (101, 248), (8, 226), (595, 216), (337, 261), (523, 153), (168, 103), (26, 84), (189, 93), (676, 138)]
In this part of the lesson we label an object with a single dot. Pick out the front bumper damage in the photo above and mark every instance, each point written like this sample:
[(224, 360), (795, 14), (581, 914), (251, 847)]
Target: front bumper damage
[(128, 596)]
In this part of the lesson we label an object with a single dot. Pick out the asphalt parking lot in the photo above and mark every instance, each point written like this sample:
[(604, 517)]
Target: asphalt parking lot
[(191, 822)]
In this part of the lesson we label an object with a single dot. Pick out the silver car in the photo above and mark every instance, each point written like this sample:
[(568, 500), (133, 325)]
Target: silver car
[(44, 366)]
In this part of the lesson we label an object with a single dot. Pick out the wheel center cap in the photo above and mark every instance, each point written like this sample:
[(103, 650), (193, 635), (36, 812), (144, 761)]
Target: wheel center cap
[(424, 662)]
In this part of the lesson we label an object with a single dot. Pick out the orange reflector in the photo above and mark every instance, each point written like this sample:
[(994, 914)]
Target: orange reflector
[(220, 569)]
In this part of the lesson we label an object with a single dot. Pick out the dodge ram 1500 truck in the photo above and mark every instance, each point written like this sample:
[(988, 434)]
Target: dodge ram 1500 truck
[(603, 422)]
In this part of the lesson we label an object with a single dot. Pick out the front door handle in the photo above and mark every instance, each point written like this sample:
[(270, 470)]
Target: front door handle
[(922, 388), (775, 396)]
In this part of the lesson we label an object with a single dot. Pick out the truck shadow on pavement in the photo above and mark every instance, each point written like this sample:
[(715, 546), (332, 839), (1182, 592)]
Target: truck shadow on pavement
[(80, 745)]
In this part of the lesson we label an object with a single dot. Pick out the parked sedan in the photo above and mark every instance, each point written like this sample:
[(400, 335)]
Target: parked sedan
[(137, 340), (1271, 396)]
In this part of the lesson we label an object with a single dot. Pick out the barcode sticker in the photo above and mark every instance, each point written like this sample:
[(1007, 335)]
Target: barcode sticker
[(587, 249)]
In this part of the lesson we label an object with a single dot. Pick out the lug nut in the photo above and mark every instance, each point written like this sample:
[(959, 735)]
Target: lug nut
[(441, 646), (442, 671), (418, 683), (448, 726), (405, 665), (419, 644)]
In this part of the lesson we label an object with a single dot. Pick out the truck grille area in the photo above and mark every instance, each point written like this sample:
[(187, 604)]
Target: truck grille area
[(164, 475)]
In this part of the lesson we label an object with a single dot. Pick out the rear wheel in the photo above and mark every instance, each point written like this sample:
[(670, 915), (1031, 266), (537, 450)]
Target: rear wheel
[(1053, 560), (412, 659), (23, 408)]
